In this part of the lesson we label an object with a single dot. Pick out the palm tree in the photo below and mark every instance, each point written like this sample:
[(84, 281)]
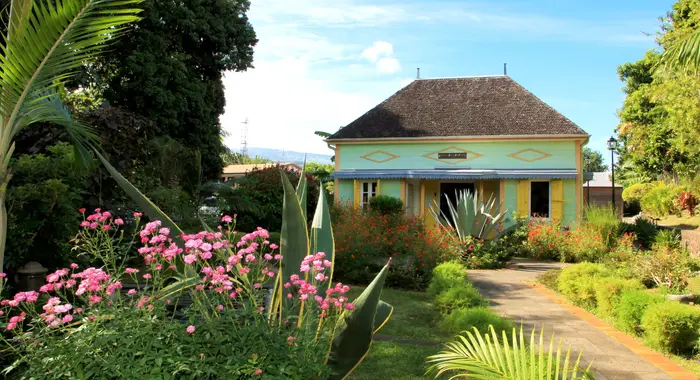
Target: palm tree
[(684, 53), (45, 43)]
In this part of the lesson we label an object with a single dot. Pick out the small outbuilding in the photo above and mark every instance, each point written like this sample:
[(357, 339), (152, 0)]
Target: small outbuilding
[(598, 191)]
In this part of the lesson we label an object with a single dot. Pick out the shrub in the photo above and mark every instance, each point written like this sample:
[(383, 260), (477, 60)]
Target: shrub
[(486, 254), (660, 199), (667, 238), (446, 276), (666, 267), (672, 327), (544, 239), (687, 201), (585, 242), (632, 195), (646, 231), (480, 317), (693, 286), (461, 296), (608, 291), (577, 283), (550, 279), (633, 304), (386, 205)]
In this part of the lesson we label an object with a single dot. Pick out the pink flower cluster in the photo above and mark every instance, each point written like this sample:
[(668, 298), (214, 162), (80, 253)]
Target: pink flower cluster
[(218, 279), (100, 218), (55, 314), (334, 299), (203, 245), (157, 243), (316, 263), (12, 323)]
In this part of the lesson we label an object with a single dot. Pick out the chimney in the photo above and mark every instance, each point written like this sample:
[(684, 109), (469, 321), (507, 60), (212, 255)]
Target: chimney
[(418, 73), (505, 71)]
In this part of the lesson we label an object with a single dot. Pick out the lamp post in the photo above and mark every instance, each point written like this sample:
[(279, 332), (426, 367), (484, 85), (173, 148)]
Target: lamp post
[(612, 146)]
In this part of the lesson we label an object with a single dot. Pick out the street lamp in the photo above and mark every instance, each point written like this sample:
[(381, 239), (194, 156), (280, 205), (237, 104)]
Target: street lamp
[(612, 146)]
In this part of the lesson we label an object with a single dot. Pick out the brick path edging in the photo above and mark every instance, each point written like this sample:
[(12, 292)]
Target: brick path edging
[(658, 360)]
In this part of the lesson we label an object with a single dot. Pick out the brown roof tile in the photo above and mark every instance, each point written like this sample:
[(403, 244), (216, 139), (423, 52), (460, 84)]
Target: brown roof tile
[(476, 106)]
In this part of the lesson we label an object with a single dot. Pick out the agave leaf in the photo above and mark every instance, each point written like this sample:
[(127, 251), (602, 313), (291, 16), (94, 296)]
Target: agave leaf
[(353, 336), (322, 231), (178, 286), (384, 311), (294, 239), (302, 189)]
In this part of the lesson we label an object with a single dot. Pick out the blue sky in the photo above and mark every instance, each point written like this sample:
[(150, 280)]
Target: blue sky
[(322, 63)]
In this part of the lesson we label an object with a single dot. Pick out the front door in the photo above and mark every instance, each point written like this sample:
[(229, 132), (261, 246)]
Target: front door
[(451, 189)]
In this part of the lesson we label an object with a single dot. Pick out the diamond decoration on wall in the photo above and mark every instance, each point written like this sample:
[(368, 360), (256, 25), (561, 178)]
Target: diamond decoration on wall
[(529, 155), (379, 156), (435, 155)]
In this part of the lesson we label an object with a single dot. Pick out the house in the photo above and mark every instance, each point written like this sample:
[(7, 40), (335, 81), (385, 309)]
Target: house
[(598, 191), (438, 136), (236, 171)]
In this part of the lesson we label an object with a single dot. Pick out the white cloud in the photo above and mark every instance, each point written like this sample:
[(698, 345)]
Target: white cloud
[(381, 53), (388, 65)]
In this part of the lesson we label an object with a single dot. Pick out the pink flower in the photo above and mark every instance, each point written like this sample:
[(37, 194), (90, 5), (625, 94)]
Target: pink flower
[(138, 215), (67, 318), (3, 275), (164, 231), (131, 270), (74, 266), (106, 227), (226, 219), (244, 270), (267, 256), (147, 276), (131, 292), (189, 259), (95, 299), (81, 210), (273, 246), (10, 326), (94, 225), (257, 286), (289, 295), (191, 329), (349, 306), (258, 372), (84, 223), (290, 340), (118, 221), (220, 307)]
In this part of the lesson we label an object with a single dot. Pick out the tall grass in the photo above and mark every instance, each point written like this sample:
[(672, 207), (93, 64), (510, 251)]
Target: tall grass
[(605, 221)]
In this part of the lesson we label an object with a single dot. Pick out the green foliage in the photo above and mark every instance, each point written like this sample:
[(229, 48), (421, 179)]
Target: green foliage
[(470, 216), (672, 327), (42, 203), (593, 161), (632, 195), (608, 291), (386, 205), (577, 283), (632, 306), (135, 345), (660, 199), (646, 231), (693, 286), (665, 267), (487, 254), (486, 356), (446, 276), (550, 279), (667, 238), (479, 318), (265, 188), (460, 296)]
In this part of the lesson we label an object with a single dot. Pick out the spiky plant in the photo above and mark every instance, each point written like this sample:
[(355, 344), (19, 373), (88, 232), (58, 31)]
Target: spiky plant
[(477, 356), (469, 216)]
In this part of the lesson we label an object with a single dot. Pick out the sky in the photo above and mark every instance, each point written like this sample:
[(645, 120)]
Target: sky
[(320, 64)]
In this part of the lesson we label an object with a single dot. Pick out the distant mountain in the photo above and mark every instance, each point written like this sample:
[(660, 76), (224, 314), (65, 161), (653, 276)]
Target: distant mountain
[(279, 155)]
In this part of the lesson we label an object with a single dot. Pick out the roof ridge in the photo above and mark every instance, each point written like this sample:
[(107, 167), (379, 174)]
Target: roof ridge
[(467, 77)]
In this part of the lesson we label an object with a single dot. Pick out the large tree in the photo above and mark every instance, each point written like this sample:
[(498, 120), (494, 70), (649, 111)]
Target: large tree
[(593, 161), (169, 70)]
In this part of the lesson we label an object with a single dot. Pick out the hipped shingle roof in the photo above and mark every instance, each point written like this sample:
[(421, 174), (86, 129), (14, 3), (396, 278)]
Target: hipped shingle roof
[(460, 107)]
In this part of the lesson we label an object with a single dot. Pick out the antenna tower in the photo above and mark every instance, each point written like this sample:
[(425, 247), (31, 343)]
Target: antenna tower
[(244, 138)]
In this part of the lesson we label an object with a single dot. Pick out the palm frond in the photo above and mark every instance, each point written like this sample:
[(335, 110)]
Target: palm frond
[(45, 46), (684, 53), (477, 356)]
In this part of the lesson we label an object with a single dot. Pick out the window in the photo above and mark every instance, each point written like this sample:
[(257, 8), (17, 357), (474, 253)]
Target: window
[(540, 197), (367, 191)]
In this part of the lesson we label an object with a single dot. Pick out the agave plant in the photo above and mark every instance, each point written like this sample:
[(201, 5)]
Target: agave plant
[(353, 336), (478, 356), (469, 216), (45, 42)]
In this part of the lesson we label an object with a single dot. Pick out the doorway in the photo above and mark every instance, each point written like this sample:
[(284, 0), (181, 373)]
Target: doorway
[(451, 189)]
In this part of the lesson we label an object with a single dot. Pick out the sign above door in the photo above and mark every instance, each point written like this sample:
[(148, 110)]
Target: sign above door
[(453, 156)]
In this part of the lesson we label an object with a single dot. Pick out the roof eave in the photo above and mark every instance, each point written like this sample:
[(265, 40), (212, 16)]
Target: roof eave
[(465, 138)]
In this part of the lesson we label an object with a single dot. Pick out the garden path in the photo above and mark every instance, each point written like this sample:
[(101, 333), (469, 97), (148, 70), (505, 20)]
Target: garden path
[(523, 304)]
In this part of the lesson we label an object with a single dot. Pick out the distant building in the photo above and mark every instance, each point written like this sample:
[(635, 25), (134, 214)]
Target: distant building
[(598, 191), (237, 171)]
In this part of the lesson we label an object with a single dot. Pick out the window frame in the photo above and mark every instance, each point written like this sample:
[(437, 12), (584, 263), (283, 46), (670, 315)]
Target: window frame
[(371, 192)]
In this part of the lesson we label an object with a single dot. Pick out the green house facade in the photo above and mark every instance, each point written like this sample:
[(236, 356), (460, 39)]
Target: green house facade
[(435, 137)]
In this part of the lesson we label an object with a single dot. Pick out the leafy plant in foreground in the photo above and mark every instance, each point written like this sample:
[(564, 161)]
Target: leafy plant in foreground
[(484, 356)]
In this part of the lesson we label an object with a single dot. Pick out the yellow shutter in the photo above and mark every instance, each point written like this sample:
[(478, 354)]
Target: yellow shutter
[(523, 197), (557, 199), (379, 187), (356, 195)]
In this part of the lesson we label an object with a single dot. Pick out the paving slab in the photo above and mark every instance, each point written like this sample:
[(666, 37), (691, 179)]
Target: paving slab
[(511, 296)]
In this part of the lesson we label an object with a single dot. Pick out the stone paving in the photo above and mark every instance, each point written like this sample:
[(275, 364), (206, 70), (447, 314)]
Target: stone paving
[(520, 302)]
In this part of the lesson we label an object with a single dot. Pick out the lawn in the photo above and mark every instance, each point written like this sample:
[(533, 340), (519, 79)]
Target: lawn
[(682, 222), (413, 326)]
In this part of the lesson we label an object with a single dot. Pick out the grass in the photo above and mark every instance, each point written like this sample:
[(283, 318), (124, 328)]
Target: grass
[(682, 222), (414, 319)]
